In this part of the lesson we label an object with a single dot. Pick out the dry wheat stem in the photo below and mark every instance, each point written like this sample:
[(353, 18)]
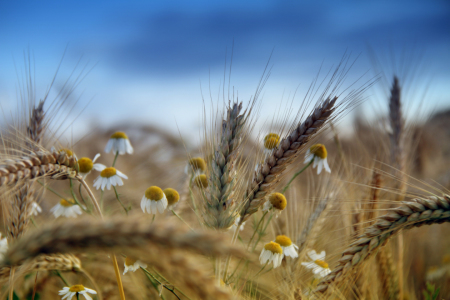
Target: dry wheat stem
[(95, 235), (266, 176), (388, 274), (414, 213)]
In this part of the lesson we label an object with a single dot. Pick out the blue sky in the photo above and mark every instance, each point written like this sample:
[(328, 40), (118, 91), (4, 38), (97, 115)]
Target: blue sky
[(149, 58)]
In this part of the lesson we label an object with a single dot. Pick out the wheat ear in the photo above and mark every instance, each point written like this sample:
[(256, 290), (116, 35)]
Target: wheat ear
[(82, 236), (222, 180), (414, 213), (274, 165), (40, 164)]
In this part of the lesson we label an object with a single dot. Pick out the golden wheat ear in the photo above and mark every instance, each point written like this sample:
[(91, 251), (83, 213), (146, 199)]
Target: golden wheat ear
[(414, 213)]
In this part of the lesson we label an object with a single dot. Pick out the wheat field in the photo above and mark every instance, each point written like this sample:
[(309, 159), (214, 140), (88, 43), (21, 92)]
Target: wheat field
[(295, 209)]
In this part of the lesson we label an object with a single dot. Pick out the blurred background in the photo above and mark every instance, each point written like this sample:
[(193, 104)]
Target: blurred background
[(152, 62)]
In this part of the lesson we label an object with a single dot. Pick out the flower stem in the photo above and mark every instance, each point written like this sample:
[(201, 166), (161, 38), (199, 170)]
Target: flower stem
[(295, 175), (256, 229), (227, 263), (75, 197), (62, 277), (178, 216), (93, 199), (117, 196), (115, 158), (261, 234)]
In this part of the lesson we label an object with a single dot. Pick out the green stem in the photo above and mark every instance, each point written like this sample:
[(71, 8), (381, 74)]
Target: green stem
[(175, 288), (227, 263), (51, 190), (118, 198), (261, 269), (175, 214), (78, 296), (82, 198), (295, 175), (62, 278), (75, 197), (115, 158), (256, 229), (261, 234), (154, 278)]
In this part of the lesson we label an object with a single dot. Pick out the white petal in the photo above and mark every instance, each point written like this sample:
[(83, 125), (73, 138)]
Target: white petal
[(90, 290), (322, 255), (148, 205), (313, 255), (319, 166), (121, 146), (327, 167), (87, 296), (109, 145), (121, 174), (103, 181), (99, 167), (119, 181), (130, 149), (143, 203)]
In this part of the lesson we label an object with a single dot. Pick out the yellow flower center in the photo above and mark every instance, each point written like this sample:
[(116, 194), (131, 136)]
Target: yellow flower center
[(154, 193), (108, 172), (172, 196), (129, 261), (278, 201), (273, 247), (119, 135), (76, 288), (68, 151), (201, 181), (85, 164), (271, 141), (283, 241), (321, 263), (67, 203), (197, 163), (319, 150)]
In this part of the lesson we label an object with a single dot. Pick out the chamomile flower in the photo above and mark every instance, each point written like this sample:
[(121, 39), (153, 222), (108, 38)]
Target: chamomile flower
[(108, 177), (195, 166), (3, 246), (318, 153), (201, 181), (154, 201), (317, 264), (85, 165), (272, 252), (276, 201), (78, 289), (35, 209), (236, 223), (271, 142), (289, 249), (132, 265), (172, 197), (119, 143), (67, 208)]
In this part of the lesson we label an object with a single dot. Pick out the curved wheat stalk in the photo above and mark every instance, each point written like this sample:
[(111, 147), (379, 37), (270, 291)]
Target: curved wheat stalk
[(414, 213), (95, 235)]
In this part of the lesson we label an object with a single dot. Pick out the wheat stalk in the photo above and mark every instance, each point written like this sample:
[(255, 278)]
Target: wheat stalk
[(414, 213), (82, 236), (274, 165), (222, 181)]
